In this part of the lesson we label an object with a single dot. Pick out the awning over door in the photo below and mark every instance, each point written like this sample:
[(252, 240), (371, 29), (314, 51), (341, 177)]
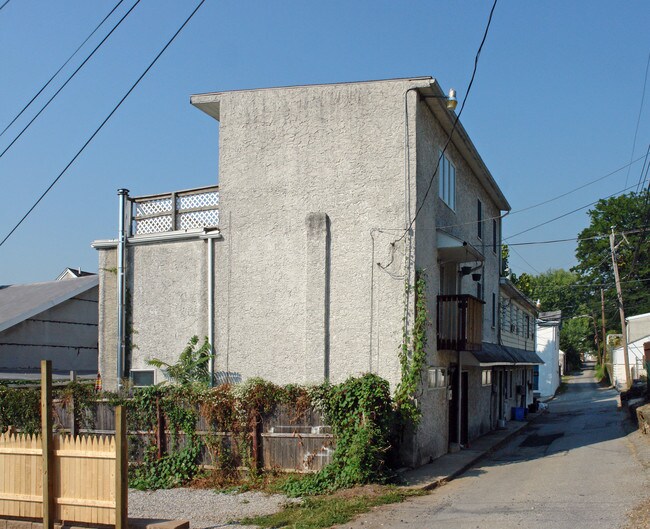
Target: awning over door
[(453, 249), (492, 354)]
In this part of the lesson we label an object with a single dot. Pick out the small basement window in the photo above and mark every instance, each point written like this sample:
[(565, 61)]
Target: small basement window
[(143, 377), (486, 377), (437, 377)]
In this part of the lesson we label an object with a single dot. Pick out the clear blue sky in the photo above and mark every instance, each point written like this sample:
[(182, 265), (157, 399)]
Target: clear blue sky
[(554, 104)]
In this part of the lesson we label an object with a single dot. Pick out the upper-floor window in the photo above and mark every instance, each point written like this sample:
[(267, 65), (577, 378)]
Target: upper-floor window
[(447, 191), (479, 219), (495, 235)]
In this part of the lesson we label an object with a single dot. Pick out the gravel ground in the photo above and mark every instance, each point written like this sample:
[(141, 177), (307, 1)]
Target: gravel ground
[(203, 508)]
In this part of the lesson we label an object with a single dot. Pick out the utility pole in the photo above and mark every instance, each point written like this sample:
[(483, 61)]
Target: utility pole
[(621, 311), (603, 357)]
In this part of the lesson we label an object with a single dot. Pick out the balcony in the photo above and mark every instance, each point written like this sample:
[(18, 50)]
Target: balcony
[(181, 210), (460, 323)]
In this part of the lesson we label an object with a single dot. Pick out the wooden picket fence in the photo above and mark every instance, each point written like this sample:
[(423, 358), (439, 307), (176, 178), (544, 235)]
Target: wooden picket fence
[(84, 478), (64, 478)]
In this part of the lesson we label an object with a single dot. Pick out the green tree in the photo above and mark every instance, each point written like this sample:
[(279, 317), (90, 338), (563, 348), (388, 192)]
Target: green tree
[(629, 216)]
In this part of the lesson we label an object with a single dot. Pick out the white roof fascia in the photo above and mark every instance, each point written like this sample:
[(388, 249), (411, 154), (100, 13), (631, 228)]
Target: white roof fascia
[(50, 303), (197, 233)]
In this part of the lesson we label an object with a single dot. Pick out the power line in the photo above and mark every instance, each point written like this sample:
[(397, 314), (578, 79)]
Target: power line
[(83, 147), (453, 128), (550, 199), (69, 78), (638, 119), (2, 6), (568, 213), (61, 68)]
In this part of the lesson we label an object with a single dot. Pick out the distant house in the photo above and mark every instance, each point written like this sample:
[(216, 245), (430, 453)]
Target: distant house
[(638, 332), (55, 320), (333, 201), (547, 379)]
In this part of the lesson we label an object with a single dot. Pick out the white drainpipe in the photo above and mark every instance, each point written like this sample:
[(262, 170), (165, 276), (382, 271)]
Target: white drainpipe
[(210, 242)]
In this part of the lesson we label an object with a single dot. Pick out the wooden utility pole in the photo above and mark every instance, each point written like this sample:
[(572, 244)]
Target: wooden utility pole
[(621, 311), (603, 358), (48, 446)]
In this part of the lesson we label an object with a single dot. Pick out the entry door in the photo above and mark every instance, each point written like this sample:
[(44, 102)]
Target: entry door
[(453, 408)]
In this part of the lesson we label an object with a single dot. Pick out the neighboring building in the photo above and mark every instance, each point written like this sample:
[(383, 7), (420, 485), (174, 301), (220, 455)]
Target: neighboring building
[(637, 327), (55, 320), (547, 378), (328, 209), (638, 332), (562, 363), (635, 359)]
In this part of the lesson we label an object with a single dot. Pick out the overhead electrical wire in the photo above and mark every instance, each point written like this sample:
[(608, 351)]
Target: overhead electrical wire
[(453, 128), (60, 68), (567, 214), (638, 119), (69, 78), (99, 128), (4, 4)]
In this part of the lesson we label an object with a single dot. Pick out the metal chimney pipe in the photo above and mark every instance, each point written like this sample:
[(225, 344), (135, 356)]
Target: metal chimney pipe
[(123, 195)]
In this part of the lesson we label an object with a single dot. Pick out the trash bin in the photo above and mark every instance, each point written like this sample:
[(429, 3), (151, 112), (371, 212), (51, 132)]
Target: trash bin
[(517, 413)]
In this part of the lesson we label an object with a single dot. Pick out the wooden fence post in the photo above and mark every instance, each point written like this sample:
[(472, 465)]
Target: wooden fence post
[(121, 471), (48, 447)]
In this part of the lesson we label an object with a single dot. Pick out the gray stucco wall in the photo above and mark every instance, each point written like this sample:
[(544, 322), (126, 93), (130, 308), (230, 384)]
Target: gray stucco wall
[(65, 334), (167, 290), (108, 316), (287, 154)]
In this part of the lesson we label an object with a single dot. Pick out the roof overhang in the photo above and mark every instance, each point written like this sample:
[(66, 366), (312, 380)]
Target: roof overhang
[(435, 99), (453, 249), (162, 237)]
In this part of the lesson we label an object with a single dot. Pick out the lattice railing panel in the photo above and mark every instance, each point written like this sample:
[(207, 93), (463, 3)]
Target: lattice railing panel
[(151, 207), (198, 219), (191, 210)]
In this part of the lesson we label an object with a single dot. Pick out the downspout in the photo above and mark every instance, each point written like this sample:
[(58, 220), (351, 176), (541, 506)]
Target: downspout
[(211, 306), (123, 195)]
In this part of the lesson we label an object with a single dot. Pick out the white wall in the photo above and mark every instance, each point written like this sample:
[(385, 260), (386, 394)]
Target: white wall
[(548, 348)]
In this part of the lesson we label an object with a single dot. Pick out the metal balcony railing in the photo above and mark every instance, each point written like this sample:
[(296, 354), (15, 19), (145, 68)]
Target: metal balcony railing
[(181, 210), (460, 323)]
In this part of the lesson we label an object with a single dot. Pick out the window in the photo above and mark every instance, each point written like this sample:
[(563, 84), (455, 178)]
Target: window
[(527, 326), (494, 309), (536, 378), (494, 235), (479, 290), (486, 377), (447, 191), (517, 329), (142, 377), (437, 377), (479, 219)]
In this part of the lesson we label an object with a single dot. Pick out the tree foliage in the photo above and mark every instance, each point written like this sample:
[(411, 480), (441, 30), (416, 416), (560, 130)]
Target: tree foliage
[(577, 292), (626, 214)]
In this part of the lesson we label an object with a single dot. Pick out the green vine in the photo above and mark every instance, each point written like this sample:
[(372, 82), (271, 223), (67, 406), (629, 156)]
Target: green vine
[(360, 413), (413, 355)]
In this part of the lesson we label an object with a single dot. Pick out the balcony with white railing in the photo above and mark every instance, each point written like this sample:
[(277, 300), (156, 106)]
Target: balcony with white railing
[(180, 210)]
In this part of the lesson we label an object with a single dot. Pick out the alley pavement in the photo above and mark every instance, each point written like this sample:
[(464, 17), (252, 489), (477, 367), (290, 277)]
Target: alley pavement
[(582, 464)]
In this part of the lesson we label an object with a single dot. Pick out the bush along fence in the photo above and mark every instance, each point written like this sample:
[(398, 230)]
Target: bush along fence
[(339, 434)]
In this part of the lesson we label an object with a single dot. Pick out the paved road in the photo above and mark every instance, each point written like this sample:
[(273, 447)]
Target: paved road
[(575, 467)]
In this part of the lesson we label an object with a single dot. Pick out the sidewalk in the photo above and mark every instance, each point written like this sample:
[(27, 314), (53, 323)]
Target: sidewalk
[(450, 466)]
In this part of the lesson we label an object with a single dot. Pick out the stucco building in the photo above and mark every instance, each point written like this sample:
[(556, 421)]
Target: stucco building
[(332, 200)]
